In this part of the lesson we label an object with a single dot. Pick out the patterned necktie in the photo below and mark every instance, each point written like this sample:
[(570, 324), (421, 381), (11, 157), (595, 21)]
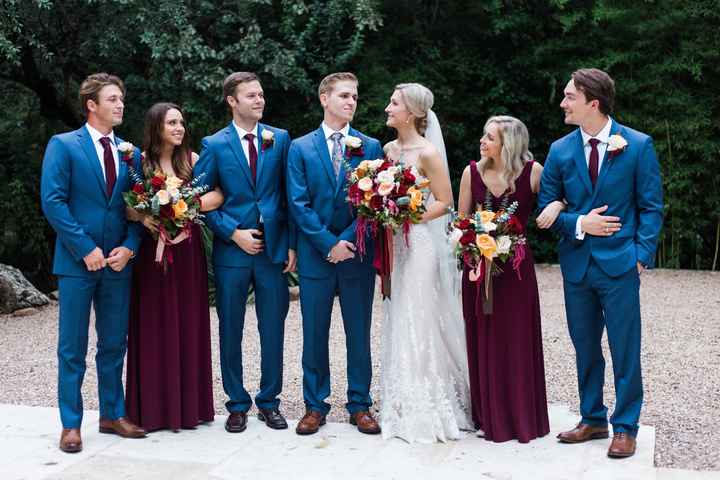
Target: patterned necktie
[(594, 160), (337, 156), (109, 161), (253, 155)]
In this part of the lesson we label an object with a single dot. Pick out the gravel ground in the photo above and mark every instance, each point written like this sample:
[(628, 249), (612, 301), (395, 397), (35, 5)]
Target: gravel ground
[(681, 361)]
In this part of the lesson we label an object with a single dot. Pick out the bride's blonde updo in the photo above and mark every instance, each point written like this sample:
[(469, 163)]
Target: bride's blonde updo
[(418, 100)]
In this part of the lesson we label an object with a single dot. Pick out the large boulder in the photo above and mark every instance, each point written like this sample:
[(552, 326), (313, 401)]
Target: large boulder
[(16, 292)]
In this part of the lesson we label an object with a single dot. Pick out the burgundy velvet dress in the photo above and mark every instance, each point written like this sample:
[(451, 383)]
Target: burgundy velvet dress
[(169, 369), (505, 354)]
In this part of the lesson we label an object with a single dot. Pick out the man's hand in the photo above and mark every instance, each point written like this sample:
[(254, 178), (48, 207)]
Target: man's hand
[(599, 225), (95, 260), (342, 251), (640, 268), (119, 257), (245, 240), (291, 264)]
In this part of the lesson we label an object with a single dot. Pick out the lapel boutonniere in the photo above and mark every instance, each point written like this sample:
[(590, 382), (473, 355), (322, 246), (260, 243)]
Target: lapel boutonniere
[(616, 145), (268, 138), (353, 147), (126, 150)]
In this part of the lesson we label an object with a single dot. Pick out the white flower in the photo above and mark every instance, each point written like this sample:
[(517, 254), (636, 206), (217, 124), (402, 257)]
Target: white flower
[(126, 147), (455, 236), (163, 197), (174, 193), (503, 244), (173, 182), (352, 142), (616, 142), (394, 170), (267, 135), (375, 164), (489, 227), (385, 177)]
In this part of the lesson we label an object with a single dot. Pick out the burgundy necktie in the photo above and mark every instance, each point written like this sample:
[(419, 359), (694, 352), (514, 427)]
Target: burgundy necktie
[(253, 154), (109, 160), (594, 160)]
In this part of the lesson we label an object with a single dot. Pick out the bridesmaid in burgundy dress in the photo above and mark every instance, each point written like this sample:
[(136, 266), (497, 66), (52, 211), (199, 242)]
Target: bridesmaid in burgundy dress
[(505, 355), (169, 372)]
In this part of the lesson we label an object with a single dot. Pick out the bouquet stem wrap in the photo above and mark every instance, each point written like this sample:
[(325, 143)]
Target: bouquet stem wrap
[(483, 278), (160, 254), (383, 260)]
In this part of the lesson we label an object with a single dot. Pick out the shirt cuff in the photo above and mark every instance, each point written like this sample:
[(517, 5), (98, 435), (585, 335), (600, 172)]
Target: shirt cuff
[(579, 234)]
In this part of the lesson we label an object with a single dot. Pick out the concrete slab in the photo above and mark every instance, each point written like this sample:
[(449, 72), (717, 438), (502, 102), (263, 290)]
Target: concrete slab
[(29, 436)]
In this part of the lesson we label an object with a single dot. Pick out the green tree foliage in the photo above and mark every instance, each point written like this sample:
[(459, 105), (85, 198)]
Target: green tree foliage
[(479, 58)]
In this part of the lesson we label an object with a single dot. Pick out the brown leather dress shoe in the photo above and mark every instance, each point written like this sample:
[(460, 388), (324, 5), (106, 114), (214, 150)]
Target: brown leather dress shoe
[(70, 441), (622, 446), (123, 427), (310, 423), (582, 433), (365, 423), (236, 422)]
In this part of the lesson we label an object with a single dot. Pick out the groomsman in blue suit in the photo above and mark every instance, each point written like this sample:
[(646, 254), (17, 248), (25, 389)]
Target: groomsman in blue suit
[(328, 261), (608, 175), (81, 189), (254, 244)]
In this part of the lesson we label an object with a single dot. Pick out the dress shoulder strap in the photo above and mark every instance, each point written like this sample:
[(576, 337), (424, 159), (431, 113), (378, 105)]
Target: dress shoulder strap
[(476, 184)]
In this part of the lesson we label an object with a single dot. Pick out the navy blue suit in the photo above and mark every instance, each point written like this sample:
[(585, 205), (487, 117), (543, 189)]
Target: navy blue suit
[(75, 202), (601, 281), (317, 199), (224, 164)]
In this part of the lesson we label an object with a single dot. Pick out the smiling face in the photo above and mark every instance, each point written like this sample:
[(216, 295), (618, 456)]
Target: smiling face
[(174, 128), (490, 143), (397, 113), (340, 101), (108, 110), (248, 103), (576, 106)]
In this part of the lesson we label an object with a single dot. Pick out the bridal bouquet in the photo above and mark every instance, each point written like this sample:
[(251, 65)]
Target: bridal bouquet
[(389, 198), (172, 202), (483, 238)]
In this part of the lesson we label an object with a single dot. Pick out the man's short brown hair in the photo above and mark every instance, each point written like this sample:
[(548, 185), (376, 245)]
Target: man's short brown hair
[(327, 83), (596, 85), (91, 86), (234, 79)]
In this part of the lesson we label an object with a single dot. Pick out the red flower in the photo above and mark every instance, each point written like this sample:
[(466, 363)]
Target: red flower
[(128, 159), (138, 188), (467, 238), (354, 152), (409, 177), (157, 182), (376, 202), (166, 211), (402, 190), (464, 224), (355, 194), (515, 226)]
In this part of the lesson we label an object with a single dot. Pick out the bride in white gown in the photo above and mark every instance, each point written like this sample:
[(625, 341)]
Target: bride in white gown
[(424, 374)]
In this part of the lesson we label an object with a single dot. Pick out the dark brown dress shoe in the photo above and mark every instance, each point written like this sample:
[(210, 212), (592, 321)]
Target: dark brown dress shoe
[(272, 418), (70, 441), (582, 433), (310, 423), (622, 446), (123, 427), (236, 422), (365, 423)]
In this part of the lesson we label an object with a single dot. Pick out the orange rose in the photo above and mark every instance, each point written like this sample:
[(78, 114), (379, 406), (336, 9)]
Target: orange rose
[(486, 244), (487, 216), (180, 208), (416, 198)]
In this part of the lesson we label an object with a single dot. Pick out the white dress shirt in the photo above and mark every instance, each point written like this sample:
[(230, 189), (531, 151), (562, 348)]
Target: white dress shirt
[(329, 131), (604, 137), (245, 143), (96, 136)]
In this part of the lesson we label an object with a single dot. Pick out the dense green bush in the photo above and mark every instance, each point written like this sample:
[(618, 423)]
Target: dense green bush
[(480, 59)]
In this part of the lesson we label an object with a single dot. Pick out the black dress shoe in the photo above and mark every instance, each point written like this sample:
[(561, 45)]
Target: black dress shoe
[(272, 418), (236, 422)]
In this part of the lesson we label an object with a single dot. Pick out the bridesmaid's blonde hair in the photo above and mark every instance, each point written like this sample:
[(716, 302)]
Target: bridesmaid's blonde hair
[(515, 141)]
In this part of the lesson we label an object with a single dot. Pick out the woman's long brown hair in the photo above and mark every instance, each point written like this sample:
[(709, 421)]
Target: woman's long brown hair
[(153, 143)]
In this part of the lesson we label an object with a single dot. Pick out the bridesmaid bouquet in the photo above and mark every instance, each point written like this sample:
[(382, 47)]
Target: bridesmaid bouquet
[(482, 238), (389, 198), (172, 202)]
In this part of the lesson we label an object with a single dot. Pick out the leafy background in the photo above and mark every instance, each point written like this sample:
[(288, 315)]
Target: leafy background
[(479, 58)]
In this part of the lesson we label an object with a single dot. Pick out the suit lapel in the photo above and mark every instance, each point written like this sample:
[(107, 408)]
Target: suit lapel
[(351, 162), (607, 161), (580, 161), (122, 171), (234, 141), (324, 155), (87, 146), (261, 154)]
